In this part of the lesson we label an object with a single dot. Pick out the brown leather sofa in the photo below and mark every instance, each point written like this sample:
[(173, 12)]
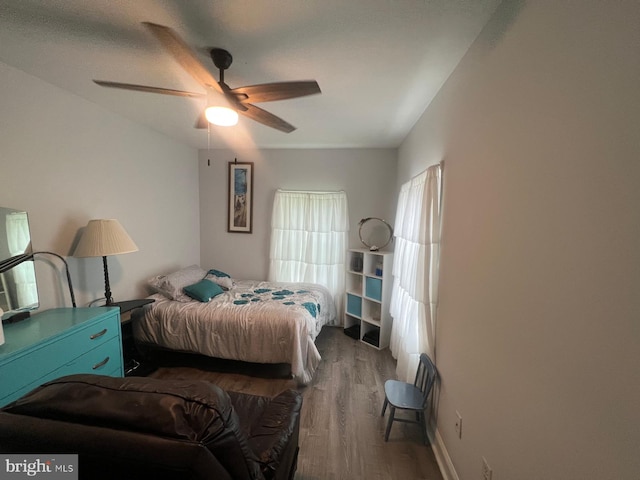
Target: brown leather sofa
[(140, 427)]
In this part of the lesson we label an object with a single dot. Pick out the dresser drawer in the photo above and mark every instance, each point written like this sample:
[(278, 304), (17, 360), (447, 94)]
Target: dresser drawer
[(59, 342), (104, 360), (100, 361), (40, 361)]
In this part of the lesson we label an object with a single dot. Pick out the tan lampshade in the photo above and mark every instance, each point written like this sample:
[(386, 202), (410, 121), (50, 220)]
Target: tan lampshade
[(102, 238)]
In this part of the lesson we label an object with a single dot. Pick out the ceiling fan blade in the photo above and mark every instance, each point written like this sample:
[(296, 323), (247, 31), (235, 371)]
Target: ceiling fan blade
[(234, 100), (183, 54), (266, 118), (144, 88), (269, 92)]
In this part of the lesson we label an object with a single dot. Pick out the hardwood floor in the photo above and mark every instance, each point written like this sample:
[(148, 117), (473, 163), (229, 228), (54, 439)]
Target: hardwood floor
[(341, 430)]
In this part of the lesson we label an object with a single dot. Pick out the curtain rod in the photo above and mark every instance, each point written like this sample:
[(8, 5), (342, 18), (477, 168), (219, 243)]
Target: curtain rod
[(309, 191)]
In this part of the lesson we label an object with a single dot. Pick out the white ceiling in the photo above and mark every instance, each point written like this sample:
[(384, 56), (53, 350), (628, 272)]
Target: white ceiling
[(378, 62)]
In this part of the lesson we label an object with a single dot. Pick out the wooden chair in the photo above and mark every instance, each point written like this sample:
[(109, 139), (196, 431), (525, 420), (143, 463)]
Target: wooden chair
[(405, 396)]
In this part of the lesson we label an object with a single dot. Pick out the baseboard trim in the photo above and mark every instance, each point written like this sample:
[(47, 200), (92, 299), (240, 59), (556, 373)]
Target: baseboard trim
[(444, 460)]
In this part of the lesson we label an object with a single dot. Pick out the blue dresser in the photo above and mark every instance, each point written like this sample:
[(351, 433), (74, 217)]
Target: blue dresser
[(59, 342)]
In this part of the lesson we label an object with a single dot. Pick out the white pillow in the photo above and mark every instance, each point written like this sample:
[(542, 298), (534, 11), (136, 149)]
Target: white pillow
[(171, 285), (221, 278), (224, 282)]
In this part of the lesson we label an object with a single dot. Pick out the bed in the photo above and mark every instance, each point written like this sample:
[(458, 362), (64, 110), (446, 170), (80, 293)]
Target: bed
[(247, 320)]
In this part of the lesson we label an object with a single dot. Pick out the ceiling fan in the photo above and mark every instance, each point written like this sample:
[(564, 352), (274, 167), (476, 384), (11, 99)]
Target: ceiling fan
[(239, 99)]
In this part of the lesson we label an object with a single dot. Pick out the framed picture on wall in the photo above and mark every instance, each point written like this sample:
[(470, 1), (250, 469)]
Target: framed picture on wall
[(240, 207)]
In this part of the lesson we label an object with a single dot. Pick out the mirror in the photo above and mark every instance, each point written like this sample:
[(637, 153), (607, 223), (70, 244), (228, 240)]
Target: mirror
[(18, 289), (375, 233)]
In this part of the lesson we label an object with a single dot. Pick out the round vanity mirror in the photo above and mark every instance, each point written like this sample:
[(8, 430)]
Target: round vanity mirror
[(375, 233)]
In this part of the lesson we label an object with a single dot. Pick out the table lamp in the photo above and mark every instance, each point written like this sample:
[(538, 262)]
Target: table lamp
[(101, 238)]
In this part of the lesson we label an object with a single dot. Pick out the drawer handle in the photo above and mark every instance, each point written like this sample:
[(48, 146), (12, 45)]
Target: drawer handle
[(100, 364), (98, 335)]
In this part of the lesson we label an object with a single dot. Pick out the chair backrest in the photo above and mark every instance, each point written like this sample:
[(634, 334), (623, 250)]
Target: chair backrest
[(425, 376)]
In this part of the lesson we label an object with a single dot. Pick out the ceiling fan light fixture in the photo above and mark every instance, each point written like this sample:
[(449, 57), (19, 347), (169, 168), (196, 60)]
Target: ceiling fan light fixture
[(221, 116), (225, 102)]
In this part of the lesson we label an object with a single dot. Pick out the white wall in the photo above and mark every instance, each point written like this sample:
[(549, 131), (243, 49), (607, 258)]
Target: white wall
[(65, 161), (538, 337), (367, 175)]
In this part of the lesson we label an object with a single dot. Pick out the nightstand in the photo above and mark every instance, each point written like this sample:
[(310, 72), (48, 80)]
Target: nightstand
[(132, 362)]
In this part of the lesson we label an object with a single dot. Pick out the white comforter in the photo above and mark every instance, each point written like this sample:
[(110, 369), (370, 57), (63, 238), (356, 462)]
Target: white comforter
[(261, 322)]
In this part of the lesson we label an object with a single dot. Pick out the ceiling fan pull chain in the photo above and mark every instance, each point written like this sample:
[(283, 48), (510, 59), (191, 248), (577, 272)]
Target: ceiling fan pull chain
[(208, 144)]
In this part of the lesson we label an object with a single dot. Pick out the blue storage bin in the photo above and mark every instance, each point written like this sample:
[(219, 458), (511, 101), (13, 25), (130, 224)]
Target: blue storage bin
[(373, 288), (354, 305)]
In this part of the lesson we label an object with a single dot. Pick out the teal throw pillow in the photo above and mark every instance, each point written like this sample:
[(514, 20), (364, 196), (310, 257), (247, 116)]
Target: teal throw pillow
[(203, 291)]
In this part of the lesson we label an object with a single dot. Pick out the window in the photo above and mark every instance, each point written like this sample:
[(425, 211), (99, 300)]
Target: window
[(415, 271), (309, 236)]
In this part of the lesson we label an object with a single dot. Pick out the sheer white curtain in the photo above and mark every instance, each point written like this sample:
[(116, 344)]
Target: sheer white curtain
[(415, 271), (309, 237)]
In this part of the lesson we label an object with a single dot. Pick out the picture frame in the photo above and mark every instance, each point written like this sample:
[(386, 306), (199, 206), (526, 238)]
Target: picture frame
[(240, 200)]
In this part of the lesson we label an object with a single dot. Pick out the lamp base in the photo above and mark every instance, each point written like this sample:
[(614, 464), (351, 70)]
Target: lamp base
[(107, 288)]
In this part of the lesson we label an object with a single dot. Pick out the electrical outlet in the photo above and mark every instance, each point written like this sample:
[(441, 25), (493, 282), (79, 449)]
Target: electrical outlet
[(459, 424), (487, 473)]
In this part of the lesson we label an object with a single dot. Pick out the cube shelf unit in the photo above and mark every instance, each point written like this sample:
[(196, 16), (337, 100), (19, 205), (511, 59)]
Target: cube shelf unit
[(368, 295)]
